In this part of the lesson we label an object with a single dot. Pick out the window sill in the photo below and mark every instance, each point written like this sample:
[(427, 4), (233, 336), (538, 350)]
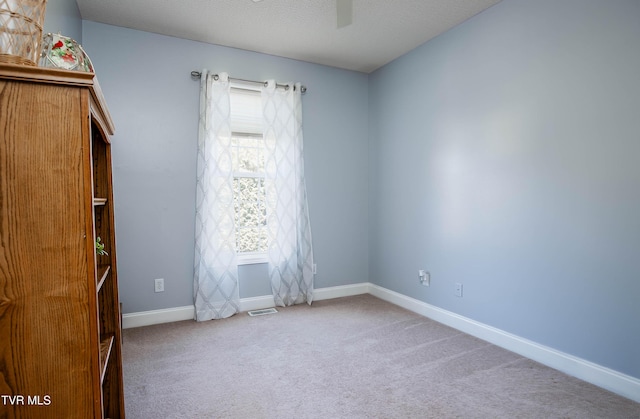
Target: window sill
[(251, 258)]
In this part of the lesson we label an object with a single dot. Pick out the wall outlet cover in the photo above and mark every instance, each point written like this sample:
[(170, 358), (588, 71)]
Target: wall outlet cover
[(424, 277), (159, 285)]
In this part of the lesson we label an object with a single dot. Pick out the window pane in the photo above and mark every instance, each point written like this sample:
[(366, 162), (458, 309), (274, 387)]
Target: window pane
[(250, 213), (248, 154), (251, 239), (248, 190)]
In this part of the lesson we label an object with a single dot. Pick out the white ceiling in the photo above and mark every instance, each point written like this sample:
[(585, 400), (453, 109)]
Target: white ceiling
[(381, 30)]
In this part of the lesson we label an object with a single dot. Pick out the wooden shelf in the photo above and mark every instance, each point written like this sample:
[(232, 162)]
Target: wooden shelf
[(105, 350), (103, 272), (56, 145)]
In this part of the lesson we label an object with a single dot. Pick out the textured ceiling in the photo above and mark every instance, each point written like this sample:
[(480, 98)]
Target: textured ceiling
[(381, 30)]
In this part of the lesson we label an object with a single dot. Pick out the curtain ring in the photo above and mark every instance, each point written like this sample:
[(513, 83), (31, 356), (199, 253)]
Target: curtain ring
[(216, 77)]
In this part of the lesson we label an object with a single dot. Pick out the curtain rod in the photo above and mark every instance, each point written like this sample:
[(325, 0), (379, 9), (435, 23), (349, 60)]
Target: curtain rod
[(196, 75)]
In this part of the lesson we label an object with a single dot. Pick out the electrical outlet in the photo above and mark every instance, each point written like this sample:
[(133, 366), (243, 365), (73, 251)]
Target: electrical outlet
[(424, 277), (159, 284), (458, 289)]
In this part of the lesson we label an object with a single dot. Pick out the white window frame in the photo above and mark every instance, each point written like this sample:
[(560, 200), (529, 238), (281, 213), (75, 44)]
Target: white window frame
[(252, 258), (248, 258)]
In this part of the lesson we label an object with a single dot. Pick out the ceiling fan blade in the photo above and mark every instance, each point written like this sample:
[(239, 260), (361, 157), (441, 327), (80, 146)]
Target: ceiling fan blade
[(344, 11)]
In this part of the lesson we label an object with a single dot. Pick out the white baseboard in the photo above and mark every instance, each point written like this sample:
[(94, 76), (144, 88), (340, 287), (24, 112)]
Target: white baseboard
[(598, 375), (166, 315), (256, 303), (176, 314), (340, 291)]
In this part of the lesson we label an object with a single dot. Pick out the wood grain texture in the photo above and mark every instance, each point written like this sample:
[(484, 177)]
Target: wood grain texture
[(99, 110), (51, 318), (44, 268)]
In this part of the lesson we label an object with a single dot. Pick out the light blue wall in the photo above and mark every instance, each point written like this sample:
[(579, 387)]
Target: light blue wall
[(154, 103), (63, 16), (502, 155), (505, 155)]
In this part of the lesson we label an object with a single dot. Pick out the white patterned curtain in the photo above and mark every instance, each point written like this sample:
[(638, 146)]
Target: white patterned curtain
[(216, 291), (290, 250)]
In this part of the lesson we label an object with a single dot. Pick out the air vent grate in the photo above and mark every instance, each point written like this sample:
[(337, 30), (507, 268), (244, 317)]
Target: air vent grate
[(253, 313)]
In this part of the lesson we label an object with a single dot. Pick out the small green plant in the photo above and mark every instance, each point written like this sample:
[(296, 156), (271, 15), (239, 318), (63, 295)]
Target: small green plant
[(100, 247)]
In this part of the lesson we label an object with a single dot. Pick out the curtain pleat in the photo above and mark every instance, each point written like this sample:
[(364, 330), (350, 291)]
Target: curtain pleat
[(290, 246), (216, 292)]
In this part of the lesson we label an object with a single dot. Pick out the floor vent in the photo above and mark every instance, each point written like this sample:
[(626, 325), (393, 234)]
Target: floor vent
[(262, 312)]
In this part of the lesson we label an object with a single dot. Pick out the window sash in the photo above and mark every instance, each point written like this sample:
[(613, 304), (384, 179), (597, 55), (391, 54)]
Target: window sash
[(247, 143)]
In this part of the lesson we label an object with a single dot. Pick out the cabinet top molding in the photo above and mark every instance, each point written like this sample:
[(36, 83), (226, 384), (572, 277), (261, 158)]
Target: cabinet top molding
[(35, 74)]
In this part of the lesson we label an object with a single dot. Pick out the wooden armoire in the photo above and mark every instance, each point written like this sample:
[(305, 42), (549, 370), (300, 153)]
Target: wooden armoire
[(60, 325)]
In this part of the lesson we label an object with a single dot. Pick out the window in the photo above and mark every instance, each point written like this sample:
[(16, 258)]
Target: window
[(247, 144), (250, 181)]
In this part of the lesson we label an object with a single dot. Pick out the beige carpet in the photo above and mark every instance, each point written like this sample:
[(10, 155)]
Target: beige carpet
[(355, 357)]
